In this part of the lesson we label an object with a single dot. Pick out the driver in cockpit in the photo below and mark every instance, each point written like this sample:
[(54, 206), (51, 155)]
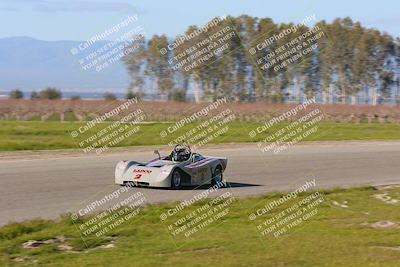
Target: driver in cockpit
[(180, 153)]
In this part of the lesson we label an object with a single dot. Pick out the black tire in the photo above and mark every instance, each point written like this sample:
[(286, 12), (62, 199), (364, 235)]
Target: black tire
[(218, 176), (176, 179)]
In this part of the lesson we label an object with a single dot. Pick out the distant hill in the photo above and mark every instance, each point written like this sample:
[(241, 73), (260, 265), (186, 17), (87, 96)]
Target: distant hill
[(32, 64)]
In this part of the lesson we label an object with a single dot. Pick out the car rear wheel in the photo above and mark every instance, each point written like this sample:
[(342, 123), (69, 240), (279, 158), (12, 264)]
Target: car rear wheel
[(176, 179), (217, 176)]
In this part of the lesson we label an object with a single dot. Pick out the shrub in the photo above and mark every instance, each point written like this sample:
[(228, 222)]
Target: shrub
[(16, 94), (75, 97), (131, 95), (35, 95), (109, 96), (178, 95), (50, 93)]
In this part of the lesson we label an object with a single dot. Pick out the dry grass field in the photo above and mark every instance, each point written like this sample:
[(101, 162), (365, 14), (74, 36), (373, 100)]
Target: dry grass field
[(80, 110)]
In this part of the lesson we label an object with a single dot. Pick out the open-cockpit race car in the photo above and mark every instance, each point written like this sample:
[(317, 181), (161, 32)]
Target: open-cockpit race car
[(180, 168)]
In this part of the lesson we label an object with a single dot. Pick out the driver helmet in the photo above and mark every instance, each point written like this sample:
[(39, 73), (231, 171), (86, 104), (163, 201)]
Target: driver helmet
[(181, 154)]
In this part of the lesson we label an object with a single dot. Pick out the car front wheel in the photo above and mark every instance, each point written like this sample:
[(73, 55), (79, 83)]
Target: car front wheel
[(176, 180), (217, 176)]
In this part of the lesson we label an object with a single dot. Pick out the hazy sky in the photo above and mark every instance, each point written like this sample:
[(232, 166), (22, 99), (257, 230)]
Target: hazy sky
[(79, 20)]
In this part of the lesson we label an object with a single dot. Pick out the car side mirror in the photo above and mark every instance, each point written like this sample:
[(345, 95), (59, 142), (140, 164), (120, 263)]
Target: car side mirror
[(157, 153)]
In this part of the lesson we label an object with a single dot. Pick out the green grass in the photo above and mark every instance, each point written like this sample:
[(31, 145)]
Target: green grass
[(33, 135), (336, 236)]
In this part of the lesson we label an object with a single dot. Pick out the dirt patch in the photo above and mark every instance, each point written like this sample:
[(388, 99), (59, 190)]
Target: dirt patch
[(342, 205), (111, 245), (386, 198), (24, 259), (32, 244), (186, 251), (386, 187), (387, 248), (383, 225), (61, 242)]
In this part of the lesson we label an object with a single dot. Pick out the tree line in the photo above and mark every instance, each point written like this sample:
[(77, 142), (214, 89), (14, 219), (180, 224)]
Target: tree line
[(352, 62), (52, 93)]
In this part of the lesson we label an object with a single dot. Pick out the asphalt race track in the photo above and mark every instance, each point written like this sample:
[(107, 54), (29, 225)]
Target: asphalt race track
[(47, 186)]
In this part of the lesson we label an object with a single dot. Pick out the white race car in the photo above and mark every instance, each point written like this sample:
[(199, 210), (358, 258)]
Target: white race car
[(181, 168)]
